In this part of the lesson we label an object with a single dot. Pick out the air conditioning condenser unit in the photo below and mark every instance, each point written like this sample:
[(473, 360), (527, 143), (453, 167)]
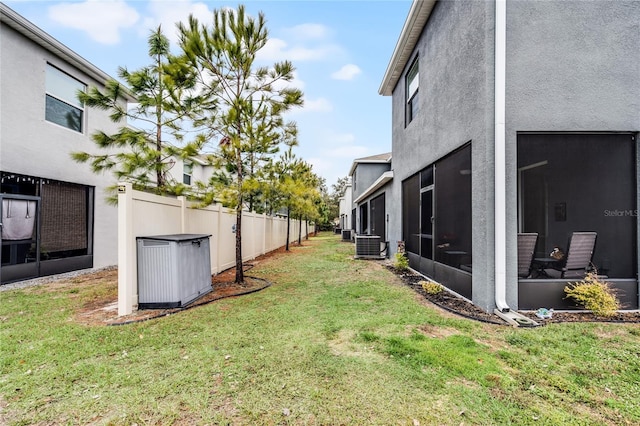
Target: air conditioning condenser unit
[(369, 247)]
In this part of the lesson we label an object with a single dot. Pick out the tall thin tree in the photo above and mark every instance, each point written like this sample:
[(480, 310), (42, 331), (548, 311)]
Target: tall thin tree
[(250, 102)]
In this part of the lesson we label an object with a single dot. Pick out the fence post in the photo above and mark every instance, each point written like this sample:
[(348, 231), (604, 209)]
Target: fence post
[(264, 233), (219, 235), (183, 213), (126, 250)]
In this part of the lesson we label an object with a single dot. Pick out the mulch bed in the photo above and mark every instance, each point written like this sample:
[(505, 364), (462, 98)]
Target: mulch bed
[(462, 307)]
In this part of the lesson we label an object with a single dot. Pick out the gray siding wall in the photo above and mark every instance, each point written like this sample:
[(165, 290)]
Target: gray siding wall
[(366, 174), (455, 106), (572, 66), (32, 146)]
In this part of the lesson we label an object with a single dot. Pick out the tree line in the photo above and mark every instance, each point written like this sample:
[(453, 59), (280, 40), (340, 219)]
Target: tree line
[(210, 101)]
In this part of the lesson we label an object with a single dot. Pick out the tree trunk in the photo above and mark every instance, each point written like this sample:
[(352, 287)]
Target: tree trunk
[(239, 271), (288, 227), (159, 175), (300, 230), (306, 229)]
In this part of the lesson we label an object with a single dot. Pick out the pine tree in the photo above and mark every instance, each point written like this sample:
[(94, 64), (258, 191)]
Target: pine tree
[(165, 100), (248, 101)]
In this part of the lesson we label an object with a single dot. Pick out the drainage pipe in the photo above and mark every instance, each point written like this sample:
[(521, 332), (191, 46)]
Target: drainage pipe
[(500, 158)]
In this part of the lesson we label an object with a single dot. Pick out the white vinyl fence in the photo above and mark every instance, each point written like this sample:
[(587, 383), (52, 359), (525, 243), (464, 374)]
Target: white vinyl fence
[(141, 214)]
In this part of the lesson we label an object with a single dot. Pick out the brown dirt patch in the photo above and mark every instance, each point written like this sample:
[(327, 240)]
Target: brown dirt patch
[(102, 308), (104, 311)]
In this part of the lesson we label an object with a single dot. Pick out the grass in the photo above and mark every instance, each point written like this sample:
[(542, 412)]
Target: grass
[(333, 341)]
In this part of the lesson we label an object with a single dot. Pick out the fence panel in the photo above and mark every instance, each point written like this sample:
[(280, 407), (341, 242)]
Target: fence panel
[(141, 214)]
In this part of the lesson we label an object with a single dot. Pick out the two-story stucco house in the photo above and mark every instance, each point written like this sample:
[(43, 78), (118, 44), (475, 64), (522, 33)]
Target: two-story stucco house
[(515, 117), (54, 215), (346, 213), (369, 176)]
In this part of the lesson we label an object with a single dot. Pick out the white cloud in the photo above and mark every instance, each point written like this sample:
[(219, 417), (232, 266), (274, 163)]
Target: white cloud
[(347, 72), (101, 20), (278, 50), (307, 32), (317, 105), (296, 83), (168, 13)]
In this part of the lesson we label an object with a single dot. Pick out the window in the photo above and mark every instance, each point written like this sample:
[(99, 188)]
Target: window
[(187, 170), (364, 219), (62, 106), (412, 83)]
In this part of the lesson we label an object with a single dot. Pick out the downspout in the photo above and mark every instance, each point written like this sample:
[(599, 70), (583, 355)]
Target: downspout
[(500, 158)]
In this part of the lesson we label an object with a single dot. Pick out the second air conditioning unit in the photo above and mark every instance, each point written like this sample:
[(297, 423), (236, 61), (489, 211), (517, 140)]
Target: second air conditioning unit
[(369, 247)]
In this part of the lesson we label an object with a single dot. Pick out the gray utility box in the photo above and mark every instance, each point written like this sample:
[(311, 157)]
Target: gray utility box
[(173, 270)]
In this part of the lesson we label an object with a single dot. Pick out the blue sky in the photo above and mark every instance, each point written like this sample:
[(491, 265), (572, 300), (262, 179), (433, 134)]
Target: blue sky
[(340, 50)]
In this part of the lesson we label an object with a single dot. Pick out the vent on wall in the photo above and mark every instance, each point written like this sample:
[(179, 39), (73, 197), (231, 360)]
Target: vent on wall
[(369, 247)]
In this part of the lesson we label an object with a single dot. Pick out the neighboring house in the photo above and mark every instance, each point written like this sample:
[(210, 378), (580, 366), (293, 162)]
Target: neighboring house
[(347, 219), (369, 175), (190, 171), (514, 117), (54, 215)]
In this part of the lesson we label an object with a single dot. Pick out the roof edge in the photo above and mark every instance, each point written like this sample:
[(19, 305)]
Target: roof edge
[(367, 160), (416, 19), (379, 183), (34, 33)]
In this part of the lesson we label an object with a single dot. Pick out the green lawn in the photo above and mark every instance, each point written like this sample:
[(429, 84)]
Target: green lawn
[(334, 341)]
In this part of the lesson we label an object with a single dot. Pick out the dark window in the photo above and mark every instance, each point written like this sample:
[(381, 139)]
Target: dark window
[(411, 87), (62, 106), (364, 219), (426, 177), (353, 219), (63, 114)]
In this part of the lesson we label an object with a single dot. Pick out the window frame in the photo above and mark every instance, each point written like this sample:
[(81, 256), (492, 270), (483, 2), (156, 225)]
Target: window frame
[(73, 104), (412, 88), (187, 165)]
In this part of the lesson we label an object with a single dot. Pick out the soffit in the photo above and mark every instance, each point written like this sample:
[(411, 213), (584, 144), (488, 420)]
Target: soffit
[(415, 22)]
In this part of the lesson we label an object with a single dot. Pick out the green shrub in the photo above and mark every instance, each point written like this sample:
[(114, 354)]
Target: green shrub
[(594, 294), (402, 262), (431, 288)]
